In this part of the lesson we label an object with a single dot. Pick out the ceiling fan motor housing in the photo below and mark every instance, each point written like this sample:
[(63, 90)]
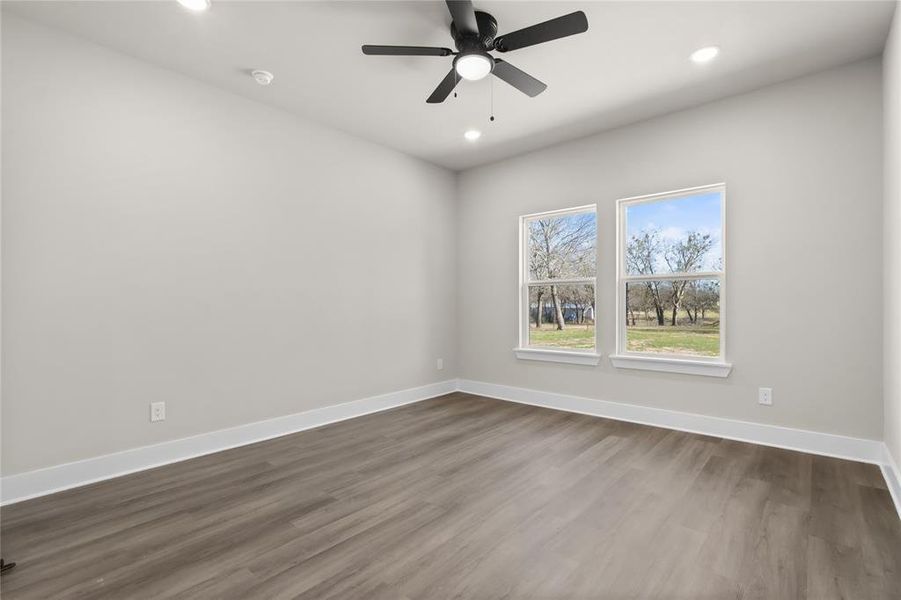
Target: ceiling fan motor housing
[(482, 42)]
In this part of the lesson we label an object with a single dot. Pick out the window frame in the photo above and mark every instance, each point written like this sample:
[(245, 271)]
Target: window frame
[(712, 366), (523, 350)]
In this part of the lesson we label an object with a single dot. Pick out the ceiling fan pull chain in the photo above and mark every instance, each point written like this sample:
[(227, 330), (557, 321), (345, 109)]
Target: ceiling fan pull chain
[(491, 83)]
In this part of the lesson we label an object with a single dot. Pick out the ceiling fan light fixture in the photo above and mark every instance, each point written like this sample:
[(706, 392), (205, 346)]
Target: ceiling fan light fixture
[(473, 67), (475, 35), (472, 134)]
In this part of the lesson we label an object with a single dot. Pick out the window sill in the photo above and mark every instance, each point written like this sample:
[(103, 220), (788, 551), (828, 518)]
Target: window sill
[(672, 365), (558, 356)]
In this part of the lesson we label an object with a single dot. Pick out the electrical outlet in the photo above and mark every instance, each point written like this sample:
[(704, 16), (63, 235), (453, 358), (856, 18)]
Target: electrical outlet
[(440, 364), (157, 411), (765, 396)]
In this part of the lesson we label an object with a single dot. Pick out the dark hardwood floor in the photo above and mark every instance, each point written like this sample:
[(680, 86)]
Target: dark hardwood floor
[(465, 497)]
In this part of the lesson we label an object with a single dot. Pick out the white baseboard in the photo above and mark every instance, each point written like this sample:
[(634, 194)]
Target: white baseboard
[(15, 488), (892, 478), (827, 444)]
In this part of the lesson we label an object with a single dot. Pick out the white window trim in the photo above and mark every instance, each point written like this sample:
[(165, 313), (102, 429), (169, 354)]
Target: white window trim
[(664, 364), (668, 363), (525, 352), (573, 357)]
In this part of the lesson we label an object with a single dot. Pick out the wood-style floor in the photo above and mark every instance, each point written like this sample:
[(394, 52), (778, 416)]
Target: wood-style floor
[(465, 497)]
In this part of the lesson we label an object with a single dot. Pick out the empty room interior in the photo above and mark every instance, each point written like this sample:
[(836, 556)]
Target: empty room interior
[(479, 300)]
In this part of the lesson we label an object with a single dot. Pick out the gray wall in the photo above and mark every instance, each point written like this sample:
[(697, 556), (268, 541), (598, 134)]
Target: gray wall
[(803, 166), (892, 291), (164, 240)]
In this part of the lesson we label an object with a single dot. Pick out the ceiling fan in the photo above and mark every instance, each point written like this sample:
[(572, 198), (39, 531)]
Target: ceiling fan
[(475, 35)]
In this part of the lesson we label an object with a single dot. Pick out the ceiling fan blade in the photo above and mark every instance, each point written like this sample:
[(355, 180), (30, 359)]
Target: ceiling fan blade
[(405, 51), (554, 29), (464, 16), (444, 88), (521, 80)]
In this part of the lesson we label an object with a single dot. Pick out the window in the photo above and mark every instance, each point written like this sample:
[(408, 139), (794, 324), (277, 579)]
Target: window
[(671, 275), (557, 286)]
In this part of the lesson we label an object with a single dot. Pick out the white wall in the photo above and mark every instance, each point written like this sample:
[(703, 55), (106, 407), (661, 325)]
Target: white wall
[(164, 240), (803, 166), (892, 292)]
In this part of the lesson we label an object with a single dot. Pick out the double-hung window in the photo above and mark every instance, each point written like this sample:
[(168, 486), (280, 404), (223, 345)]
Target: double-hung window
[(558, 303), (671, 274)]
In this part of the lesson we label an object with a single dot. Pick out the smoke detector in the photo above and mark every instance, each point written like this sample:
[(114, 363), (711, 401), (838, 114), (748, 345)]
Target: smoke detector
[(262, 77)]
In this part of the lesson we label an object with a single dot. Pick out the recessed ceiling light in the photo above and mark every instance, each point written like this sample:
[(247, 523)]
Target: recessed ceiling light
[(472, 134), (473, 66), (195, 5), (262, 77), (704, 55)]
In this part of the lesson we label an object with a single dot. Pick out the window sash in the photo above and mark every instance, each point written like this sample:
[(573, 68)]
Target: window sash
[(675, 276), (573, 281), (623, 225), (527, 311), (622, 331)]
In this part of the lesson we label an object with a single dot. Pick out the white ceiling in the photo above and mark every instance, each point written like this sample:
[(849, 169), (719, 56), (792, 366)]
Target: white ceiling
[(631, 64)]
